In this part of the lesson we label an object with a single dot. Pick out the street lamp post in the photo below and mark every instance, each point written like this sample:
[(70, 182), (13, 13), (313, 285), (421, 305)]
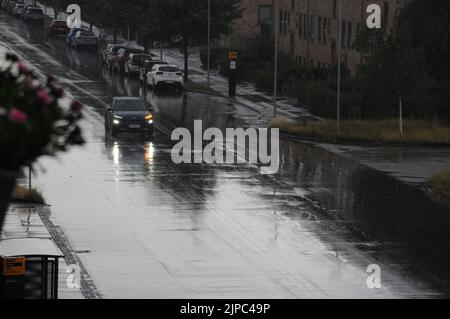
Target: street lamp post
[(275, 75), (339, 58), (209, 43)]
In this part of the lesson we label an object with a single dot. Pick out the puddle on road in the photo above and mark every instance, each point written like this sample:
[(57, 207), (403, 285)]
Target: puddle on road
[(406, 224)]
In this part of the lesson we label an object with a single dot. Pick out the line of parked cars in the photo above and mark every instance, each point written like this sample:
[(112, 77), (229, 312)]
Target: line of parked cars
[(137, 63), (27, 13)]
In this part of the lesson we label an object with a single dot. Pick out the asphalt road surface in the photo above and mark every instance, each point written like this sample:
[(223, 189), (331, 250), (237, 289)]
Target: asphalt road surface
[(145, 227)]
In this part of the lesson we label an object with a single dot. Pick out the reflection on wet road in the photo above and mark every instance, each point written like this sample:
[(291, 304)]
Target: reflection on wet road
[(154, 229)]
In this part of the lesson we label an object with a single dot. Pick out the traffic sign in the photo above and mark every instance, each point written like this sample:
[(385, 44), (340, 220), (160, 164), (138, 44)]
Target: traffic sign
[(232, 55), (14, 266)]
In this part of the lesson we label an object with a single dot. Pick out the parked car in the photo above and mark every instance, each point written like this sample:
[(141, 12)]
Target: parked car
[(3, 4), (128, 114), (33, 14), (18, 10), (109, 53), (58, 28), (84, 38), (165, 75), (11, 5), (134, 62), (147, 67), (121, 57), (72, 34)]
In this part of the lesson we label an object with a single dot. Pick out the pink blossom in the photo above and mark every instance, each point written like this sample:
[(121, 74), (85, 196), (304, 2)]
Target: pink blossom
[(45, 98), (23, 69), (18, 116), (76, 106), (59, 92)]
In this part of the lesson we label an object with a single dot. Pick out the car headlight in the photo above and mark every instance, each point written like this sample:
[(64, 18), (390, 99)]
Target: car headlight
[(116, 121), (149, 118)]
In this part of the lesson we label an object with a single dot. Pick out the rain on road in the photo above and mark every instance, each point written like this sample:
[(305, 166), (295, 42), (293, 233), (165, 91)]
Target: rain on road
[(151, 229)]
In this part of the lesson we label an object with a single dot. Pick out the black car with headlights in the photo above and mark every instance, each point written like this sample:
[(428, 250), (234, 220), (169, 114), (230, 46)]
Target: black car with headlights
[(128, 114)]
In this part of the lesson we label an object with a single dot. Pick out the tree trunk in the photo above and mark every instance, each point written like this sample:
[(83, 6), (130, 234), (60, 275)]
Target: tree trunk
[(145, 43), (186, 58)]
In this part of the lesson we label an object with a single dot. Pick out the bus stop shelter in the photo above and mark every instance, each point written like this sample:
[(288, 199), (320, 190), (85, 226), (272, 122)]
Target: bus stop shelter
[(29, 268)]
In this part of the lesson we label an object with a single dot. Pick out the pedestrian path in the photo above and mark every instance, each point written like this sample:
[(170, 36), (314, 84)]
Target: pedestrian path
[(247, 94)]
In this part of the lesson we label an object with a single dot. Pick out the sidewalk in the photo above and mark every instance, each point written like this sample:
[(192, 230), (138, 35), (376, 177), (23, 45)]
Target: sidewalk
[(247, 94), (23, 221)]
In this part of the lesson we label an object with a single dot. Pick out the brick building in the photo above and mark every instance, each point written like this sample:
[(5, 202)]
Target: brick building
[(308, 28)]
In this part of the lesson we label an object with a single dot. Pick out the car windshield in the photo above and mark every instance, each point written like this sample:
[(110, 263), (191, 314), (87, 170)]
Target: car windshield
[(38, 11), (129, 105), (140, 59), (169, 69), (114, 50), (87, 34)]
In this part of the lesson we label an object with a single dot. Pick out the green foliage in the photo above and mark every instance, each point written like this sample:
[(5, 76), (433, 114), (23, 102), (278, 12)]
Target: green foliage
[(440, 185), (412, 64), (373, 132)]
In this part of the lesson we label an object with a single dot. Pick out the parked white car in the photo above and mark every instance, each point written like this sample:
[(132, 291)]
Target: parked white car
[(165, 75)]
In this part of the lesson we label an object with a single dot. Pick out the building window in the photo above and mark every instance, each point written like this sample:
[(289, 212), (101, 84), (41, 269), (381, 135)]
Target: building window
[(305, 26), (319, 29), (334, 8), (343, 33), (265, 14), (386, 14), (280, 19), (292, 5), (349, 34), (300, 26), (311, 31), (265, 20)]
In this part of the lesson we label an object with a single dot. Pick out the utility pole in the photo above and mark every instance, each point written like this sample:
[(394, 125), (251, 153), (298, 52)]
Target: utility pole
[(308, 32), (401, 115), (275, 75), (338, 116), (209, 43), (29, 178)]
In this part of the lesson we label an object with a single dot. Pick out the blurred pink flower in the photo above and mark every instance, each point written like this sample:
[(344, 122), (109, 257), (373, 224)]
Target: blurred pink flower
[(18, 116), (45, 98), (23, 69), (59, 93), (76, 106)]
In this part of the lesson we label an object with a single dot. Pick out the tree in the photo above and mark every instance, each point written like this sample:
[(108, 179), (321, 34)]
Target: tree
[(189, 22), (411, 63), (151, 25)]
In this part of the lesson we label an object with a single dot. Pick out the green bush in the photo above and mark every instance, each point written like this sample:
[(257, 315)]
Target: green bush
[(320, 98), (263, 80), (218, 55)]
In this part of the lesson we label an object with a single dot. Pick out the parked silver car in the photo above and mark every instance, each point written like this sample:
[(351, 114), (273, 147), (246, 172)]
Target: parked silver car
[(84, 38)]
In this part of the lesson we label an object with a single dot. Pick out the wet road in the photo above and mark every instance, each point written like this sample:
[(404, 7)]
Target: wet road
[(147, 228)]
